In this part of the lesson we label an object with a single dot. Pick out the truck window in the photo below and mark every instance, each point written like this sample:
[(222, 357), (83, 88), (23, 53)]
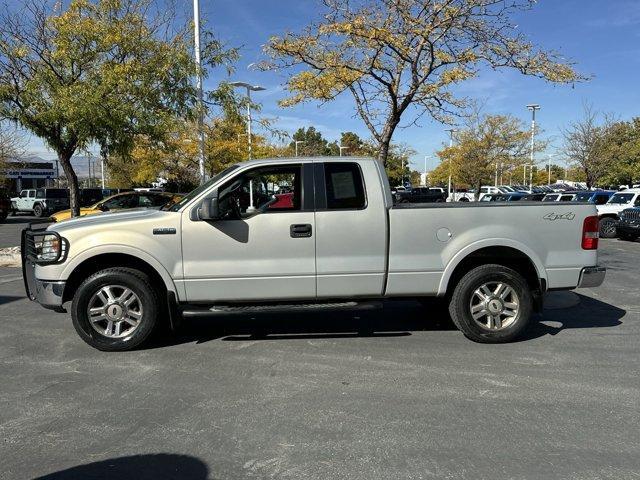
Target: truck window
[(344, 186), (271, 189), (31, 193)]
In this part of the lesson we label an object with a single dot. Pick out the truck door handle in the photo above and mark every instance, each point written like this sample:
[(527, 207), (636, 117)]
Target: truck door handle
[(300, 230)]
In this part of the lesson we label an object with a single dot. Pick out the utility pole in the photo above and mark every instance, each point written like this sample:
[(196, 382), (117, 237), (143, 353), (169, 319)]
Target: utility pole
[(297, 142), (451, 132), (200, 106)]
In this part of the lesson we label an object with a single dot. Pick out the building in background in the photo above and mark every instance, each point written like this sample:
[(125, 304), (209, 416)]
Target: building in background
[(32, 172)]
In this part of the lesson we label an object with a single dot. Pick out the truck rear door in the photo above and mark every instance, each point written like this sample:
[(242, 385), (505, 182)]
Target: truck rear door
[(351, 229)]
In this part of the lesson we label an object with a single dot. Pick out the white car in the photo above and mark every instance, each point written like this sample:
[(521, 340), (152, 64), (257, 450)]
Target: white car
[(609, 212)]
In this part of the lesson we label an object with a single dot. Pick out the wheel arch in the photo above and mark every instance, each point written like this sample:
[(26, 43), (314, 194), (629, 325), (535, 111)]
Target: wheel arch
[(99, 261), (517, 257)]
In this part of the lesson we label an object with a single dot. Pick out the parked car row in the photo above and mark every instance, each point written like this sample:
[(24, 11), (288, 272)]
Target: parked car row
[(54, 202), (43, 202)]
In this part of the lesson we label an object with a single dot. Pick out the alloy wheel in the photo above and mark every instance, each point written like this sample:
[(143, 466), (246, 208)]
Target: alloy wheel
[(115, 311), (494, 306)]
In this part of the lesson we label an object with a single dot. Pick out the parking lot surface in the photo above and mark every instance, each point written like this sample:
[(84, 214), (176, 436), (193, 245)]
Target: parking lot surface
[(393, 393), (11, 227)]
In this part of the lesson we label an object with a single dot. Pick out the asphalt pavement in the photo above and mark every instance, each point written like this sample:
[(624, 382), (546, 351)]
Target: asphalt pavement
[(393, 393), (11, 228)]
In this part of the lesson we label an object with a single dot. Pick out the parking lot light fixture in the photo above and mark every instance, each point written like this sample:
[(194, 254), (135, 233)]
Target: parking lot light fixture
[(342, 148), (451, 132), (199, 88), (549, 173), (250, 88), (297, 142), (532, 107)]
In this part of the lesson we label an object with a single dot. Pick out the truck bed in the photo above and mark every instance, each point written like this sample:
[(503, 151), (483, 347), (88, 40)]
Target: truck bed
[(427, 241)]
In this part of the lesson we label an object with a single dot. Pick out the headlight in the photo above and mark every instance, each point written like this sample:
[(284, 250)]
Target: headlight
[(49, 249)]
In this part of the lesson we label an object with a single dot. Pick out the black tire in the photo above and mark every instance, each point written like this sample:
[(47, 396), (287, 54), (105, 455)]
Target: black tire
[(136, 281), (607, 227), (460, 303), (38, 211), (3, 216), (464, 199)]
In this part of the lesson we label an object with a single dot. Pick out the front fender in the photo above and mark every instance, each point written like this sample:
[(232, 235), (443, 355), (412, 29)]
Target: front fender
[(91, 252)]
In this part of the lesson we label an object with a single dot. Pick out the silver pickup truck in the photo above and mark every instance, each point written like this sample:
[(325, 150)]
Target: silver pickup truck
[(307, 233)]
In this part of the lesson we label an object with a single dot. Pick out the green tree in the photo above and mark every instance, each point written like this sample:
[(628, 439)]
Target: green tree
[(401, 58), (311, 143), (488, 144), (620, 150), (103, 71)]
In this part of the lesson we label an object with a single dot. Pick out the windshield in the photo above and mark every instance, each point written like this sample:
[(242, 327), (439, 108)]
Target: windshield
[(583, 197), (174, 207), (622, 198)]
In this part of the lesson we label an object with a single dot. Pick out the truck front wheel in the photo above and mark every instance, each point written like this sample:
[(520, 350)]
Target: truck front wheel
[(491, 304), (115, 309)]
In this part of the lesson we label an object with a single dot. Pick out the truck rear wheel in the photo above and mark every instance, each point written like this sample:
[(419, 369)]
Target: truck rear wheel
[(491, 304), (38, 211), (115, 309)]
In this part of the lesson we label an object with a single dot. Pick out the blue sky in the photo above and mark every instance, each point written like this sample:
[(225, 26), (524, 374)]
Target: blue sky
[(602, 37)]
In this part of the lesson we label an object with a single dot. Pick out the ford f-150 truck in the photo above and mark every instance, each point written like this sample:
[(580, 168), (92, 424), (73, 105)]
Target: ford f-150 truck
[(232, 245)]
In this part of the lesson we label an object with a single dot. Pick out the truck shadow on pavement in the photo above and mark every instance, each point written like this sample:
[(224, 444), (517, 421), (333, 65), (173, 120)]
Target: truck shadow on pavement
[(139, 467), (395, 319), (588, 313), (4, 299)]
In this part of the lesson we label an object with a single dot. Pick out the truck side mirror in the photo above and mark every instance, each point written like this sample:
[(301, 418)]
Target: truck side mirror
[(210, 208)]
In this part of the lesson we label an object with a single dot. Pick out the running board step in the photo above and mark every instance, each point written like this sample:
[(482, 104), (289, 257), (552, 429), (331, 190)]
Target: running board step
[(208, 311)]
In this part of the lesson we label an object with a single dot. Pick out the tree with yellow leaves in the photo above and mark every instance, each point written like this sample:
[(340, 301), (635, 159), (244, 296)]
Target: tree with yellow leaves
[(402, 57), (105, 72), (489, 146)]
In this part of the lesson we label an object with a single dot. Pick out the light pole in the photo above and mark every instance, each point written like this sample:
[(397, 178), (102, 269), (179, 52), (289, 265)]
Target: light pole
[(549, 167), (451, 132), (250, 88), (426, 157), (196, 36), (342, 148), (532, 107), (298, 142)]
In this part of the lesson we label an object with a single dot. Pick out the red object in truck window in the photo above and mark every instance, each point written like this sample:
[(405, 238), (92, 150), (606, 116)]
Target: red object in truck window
[(285, 200)]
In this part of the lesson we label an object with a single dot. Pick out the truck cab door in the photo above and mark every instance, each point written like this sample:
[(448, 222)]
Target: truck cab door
[(351, 225), (262, 247)]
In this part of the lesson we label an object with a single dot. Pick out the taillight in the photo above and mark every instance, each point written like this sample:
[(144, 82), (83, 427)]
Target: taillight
[(590, 229)]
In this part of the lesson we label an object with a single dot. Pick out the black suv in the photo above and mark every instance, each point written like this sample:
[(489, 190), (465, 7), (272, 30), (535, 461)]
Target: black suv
[(628, 226), (50, 200)]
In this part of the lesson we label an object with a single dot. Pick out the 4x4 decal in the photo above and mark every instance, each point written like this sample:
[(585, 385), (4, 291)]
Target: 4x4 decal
[(559, 216)]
